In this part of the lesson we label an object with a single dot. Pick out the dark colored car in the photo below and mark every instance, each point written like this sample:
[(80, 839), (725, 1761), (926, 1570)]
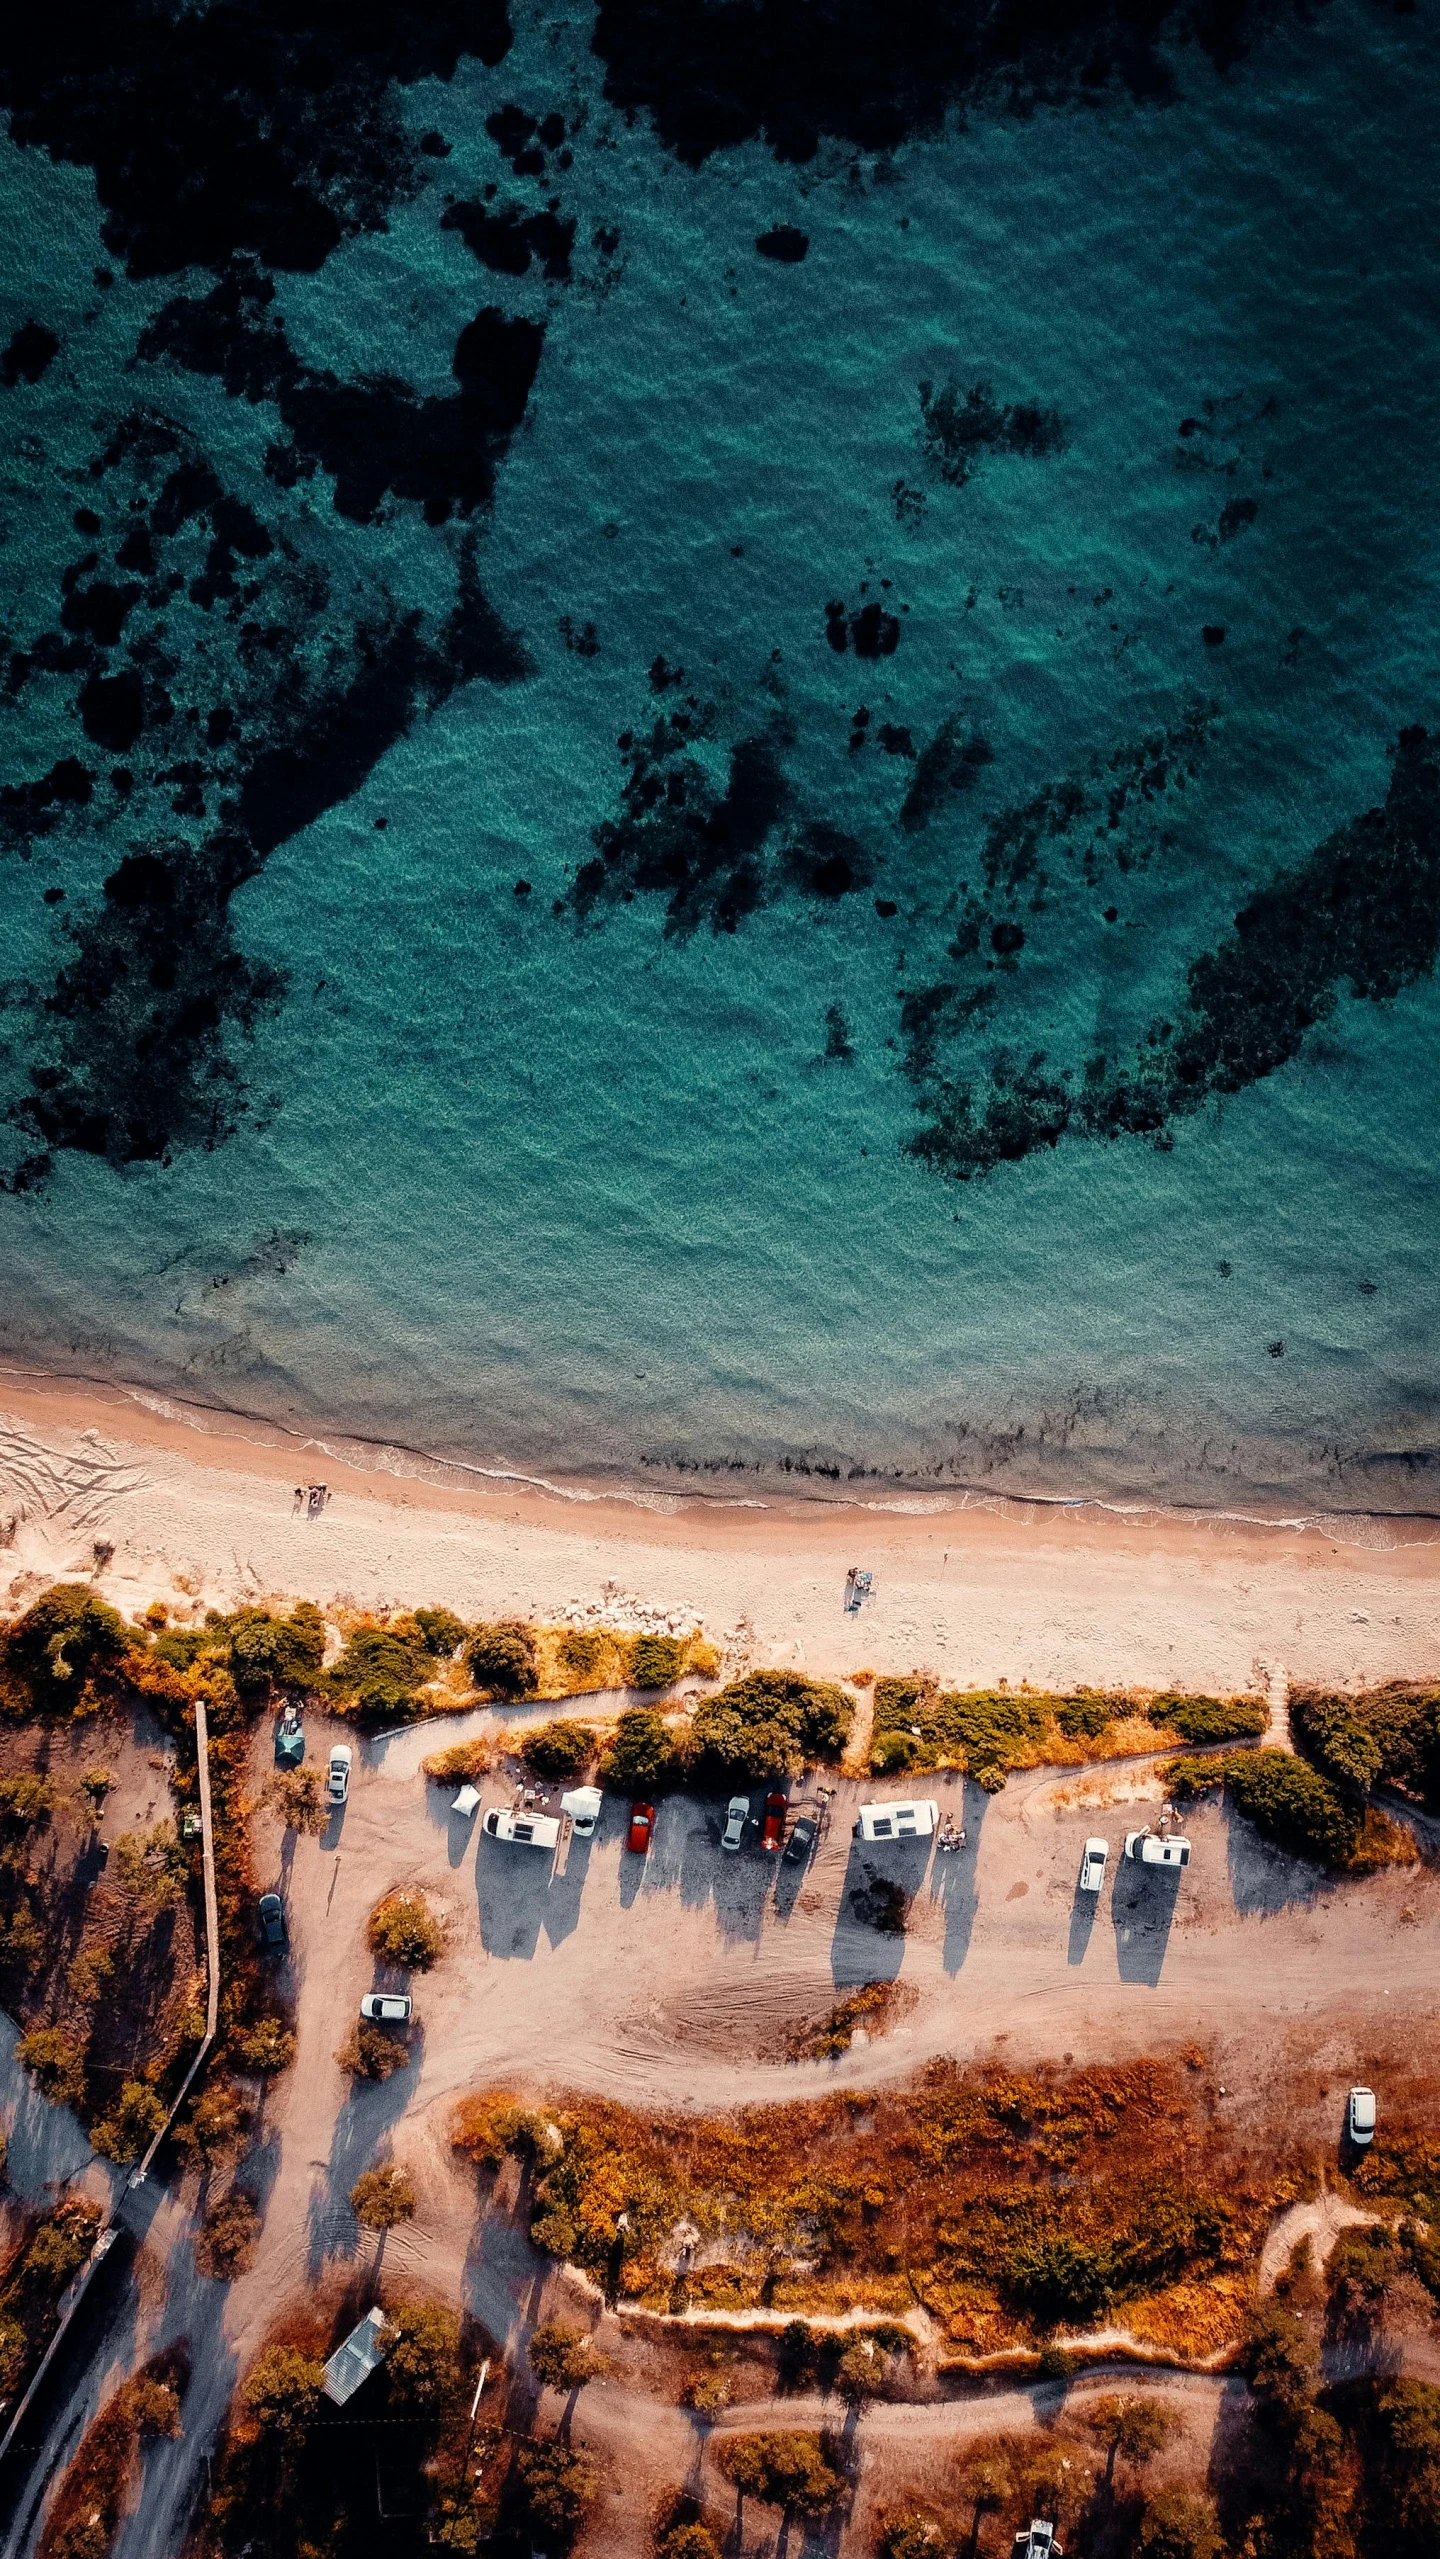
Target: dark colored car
[(272, 1920), (772, 1825), (802, 1839), (290, 1739), (642, 1823)]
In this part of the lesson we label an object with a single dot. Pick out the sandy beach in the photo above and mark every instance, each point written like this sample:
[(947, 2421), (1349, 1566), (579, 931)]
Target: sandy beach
[(199, 1507)]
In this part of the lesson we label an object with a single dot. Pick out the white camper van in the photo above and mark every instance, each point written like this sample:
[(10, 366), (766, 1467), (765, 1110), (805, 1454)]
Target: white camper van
[(525, 1830), (915, 1819)]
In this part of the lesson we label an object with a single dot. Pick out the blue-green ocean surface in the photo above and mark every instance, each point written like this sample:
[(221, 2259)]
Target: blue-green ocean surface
[(632, 853)]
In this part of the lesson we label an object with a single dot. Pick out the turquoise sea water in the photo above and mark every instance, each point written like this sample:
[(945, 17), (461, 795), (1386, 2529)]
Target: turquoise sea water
[(610, 1190)]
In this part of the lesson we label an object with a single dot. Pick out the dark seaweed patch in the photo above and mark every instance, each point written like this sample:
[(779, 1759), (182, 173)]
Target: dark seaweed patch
[(958, 427), (868, 73), (714, 855), (869, 630), (508, 238), (31, 809), (112, 711), (1362, 914), (947, 765), (784, 244), (258, 125), (31, 350), (374, 437)]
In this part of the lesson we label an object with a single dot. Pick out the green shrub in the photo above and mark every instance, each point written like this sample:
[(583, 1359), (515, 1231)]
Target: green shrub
[(688, 2541), (984, 1731), (216, 2125), (558, 1749), (1063, 2280), (642, 1753), (772, 1723), (380, 1673), (404, 1931), (423, 2364), (1409, 2414), (442, 1631), (1084, 1718), (464, 1763), (503, 1659), (1342, 1746), (287, 1651), (57, 2250), (1211, 1719), (55, 2061), (1176, 2525), (654, 1660), (562, 2357), (1402, 1716), (265, 2048), (63, 1641), (228, 2237), (1283, 1796), (912, 2537), (132, 2123)]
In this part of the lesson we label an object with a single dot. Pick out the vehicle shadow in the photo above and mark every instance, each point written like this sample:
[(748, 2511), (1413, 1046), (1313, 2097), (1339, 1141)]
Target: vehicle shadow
[(953, 1877), (881, 1881), (1083, 1910), (1142, 1908)]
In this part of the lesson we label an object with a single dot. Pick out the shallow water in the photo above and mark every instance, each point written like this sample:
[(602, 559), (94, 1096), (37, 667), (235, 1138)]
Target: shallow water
[(598, 1184)]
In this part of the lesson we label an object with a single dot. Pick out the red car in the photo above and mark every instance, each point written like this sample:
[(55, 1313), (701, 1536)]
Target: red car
[(772, 1827), (642, 1822)]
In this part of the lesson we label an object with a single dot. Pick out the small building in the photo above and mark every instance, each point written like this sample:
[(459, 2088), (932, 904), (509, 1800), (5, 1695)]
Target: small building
[(356, 2358)]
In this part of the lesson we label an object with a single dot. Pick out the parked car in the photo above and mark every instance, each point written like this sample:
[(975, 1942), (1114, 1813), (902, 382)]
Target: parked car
[(387, 2007), (1149, 1849), (772, 1825), (735, 1820), (1038, 2543), (1360, 2117), (583, 1806), (337, 1784), (802, 1839), (290, 1739), (522, 1830), (272, 1920), (642, 1823), (917, 1819), (1092, 1865)]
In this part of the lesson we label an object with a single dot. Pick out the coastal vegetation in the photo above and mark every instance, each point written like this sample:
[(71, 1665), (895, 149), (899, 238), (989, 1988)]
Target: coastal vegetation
[(1297, 1806), (53, 2246), (987, 1733), (94, 2491), (1010, 2207), (1385, 1736), (403, 1930)]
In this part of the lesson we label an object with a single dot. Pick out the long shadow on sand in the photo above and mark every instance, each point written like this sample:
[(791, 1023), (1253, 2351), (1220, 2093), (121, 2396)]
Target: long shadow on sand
[(1263, 1879), (362, 2125), (953, 1877), (1143, 1911), (881, 1881)]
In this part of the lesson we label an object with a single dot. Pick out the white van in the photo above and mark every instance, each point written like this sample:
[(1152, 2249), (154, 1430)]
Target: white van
[(526, 1830), (917, 1819)]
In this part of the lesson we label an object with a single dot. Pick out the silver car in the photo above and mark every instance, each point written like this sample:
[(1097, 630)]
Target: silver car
[(1092, 1865), (387, 2007), (337, 1784), (735, 1820), (1360, 2117)]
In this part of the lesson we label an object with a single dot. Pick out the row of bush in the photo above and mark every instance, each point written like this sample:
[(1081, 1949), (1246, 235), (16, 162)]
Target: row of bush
[(987, 1732), (1386, 1736), (1299, 1807), (772, 1723)]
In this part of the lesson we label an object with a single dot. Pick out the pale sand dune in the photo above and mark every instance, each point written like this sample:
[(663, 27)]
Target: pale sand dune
[(198, 1506)]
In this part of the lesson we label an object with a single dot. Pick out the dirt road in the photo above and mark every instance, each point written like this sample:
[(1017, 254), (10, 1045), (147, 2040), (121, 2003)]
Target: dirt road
[(667, 1980)]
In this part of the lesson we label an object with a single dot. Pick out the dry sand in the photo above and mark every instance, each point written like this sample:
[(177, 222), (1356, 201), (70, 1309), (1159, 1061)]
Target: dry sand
[(198, 1506)]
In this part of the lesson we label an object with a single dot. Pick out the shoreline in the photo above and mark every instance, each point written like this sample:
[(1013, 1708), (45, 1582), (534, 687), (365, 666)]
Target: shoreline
[(197, 1510), (231, 1425)]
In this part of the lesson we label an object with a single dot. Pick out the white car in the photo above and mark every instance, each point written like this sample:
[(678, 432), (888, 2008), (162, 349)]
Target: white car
[(583, 1806), (1149, 1849), (337, 1784), (387, 2007), (735, 1820), (1092, 1865), (1360, 2117)]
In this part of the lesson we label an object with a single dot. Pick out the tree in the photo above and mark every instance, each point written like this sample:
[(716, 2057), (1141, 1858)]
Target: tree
[(912, 2536), (860, 2371), (131, 2124), (154, 1866), (404, 1931), (282, 2392), (687, 2541), (1176, 2525), (641, 1753), (226, 2241), (563, 2358), (1137, 2429), (265, 2048), (442, 1632), (1409, 2412), (54, 2059), (265, 1649), (369, 2053), (785, 2470), (557, 2486), (423, 2361), (503, 1659), (216, 2126), (383, 2197), (773, 1722), (63, 1640)]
